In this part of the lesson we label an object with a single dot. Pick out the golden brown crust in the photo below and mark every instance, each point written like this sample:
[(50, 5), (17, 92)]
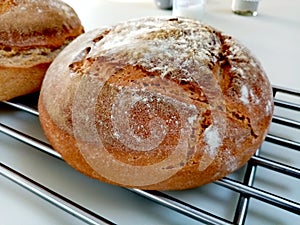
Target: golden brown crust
[(17, 81), (65, 144), (32, 33), (188, 177), (156, 103), (28, 24)]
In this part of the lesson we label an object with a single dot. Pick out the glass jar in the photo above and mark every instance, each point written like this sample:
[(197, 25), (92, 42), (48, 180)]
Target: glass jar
[(245, 7), (189, 8), (164, 4)]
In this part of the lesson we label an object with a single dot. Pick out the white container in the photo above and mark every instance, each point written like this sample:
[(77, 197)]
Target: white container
[(193, 9), (245, 7)]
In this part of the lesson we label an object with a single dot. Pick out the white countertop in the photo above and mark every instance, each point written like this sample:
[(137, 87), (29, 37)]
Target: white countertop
[(273, 36)]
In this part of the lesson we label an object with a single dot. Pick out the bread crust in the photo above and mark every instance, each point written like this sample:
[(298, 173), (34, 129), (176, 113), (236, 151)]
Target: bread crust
[(156, 103), (32, 33), (17, 81), (28, 24)]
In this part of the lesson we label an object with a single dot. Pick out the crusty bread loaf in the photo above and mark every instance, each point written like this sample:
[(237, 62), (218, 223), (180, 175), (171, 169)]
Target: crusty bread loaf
[(156, 103), (32, 33)]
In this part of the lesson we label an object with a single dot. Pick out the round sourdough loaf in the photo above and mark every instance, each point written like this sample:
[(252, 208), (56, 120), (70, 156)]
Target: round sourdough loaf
[(156, 103), (32, 33)]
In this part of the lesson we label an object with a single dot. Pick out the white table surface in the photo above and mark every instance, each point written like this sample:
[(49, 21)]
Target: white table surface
[(273, 36)]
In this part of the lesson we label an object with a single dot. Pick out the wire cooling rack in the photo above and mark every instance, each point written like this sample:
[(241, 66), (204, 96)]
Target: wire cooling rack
[(282, 139)]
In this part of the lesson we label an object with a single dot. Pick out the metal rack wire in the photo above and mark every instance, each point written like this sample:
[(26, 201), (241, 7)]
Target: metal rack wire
[(246, 189)]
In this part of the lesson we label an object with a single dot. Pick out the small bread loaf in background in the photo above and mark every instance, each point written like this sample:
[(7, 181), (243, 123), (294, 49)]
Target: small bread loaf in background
[(32, 33), (156, 103)]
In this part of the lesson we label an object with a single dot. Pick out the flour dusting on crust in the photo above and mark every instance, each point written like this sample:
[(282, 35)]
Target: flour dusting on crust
[(161, 45), (212, 139)]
